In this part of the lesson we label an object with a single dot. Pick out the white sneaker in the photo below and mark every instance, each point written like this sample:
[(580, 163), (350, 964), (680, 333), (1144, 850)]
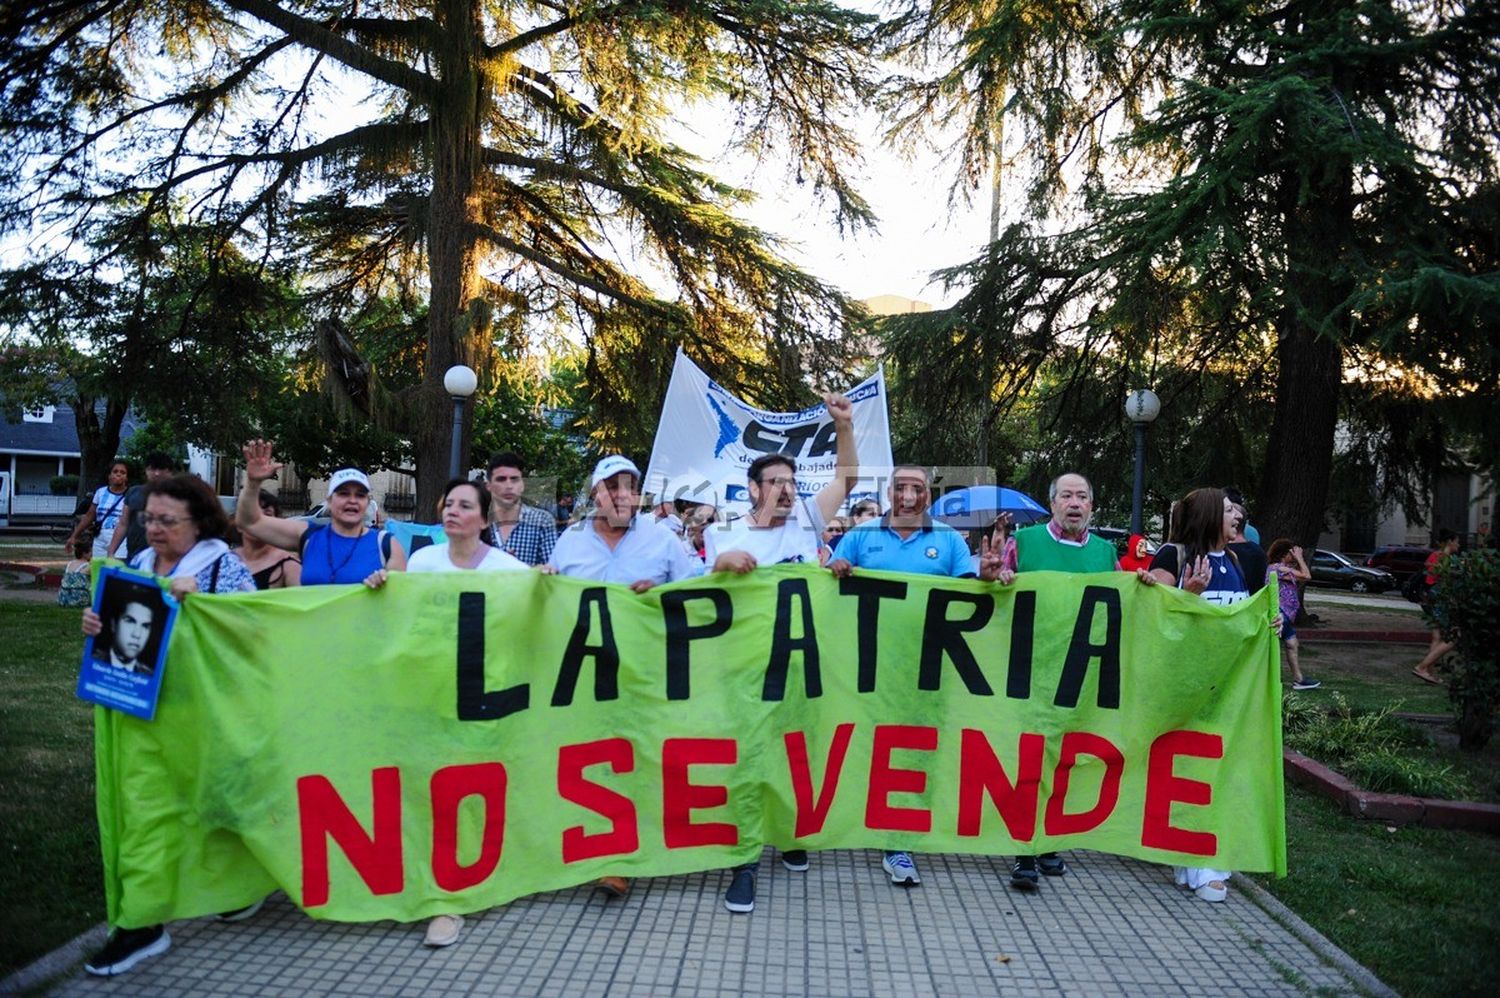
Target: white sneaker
[(902, 870), (1212, 891), (443, 931)]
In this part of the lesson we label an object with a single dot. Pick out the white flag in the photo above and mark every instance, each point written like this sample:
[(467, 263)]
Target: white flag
[(707, 438)]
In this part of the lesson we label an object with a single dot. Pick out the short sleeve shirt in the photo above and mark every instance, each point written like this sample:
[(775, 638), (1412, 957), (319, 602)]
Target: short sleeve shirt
[(647, 551), (434, 558), (1226, 585), (796, 540), (935, 549)]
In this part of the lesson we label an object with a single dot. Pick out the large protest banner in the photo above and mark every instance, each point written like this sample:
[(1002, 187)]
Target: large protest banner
[(454, 741), (706, 439)]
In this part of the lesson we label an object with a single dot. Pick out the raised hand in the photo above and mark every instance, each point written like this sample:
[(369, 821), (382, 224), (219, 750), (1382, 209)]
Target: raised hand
[(839, 407), (259, 462), (991, 564), (1202, 572)]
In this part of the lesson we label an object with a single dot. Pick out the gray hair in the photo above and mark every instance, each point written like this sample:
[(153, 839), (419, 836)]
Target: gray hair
[(1052, 488)]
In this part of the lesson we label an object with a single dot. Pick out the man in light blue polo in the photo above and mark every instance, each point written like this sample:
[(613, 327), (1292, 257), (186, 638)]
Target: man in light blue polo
[(908, 540), (617, 543)]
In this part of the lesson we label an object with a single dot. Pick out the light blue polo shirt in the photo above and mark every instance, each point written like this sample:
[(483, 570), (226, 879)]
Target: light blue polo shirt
[(647, 551), (935, 549)]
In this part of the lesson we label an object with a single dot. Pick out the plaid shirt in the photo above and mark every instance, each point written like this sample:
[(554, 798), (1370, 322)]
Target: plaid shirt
[(531, 539)]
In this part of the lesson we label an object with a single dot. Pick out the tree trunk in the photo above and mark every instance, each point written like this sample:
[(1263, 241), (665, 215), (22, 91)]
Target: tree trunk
[(457, 320), (1299, 452), (98, 439)]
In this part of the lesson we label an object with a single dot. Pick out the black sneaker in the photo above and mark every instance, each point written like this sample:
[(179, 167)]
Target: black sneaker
[(740, 898), (1306, 683), (127, 947), (1052, 864), (795, 860), (1024, 875)]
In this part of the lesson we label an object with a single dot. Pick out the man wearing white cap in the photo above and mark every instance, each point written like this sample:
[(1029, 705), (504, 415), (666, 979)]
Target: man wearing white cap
[(782, 527), (344, 551), (617, 543)]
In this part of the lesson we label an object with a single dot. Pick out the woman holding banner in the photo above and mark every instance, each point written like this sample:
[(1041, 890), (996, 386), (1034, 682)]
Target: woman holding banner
[(465, 512), (345, 551), (185, 531), (1198, 560)]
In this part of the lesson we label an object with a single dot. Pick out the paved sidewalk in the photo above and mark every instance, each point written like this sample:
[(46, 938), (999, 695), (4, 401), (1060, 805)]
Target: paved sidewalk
[(1111, 927)]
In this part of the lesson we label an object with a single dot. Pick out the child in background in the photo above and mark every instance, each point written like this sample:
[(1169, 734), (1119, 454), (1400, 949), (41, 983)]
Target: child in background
[(1287, 569), (74, 591)]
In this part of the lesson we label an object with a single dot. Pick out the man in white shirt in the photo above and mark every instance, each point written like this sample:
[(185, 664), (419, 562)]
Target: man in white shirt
[(782, 527), (618, 543)]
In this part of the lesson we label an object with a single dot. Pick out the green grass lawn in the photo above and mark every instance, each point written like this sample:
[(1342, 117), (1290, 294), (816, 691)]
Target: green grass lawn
[(1415, 905), (1372, 676), (51, 879)]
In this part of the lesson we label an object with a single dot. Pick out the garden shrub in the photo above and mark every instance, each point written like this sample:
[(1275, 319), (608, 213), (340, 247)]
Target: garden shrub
[(1384, 771), (1466, 605)]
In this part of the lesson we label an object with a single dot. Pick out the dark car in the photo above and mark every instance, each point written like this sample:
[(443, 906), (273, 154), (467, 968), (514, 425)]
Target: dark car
[(1399, 560), (1329, 568)]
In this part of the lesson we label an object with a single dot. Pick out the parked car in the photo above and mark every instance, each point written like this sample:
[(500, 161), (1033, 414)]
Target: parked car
[(1329, 568), (1399, 560)]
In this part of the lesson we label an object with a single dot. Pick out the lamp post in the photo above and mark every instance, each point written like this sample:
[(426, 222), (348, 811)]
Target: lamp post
[(460, 382), (1142, 406)]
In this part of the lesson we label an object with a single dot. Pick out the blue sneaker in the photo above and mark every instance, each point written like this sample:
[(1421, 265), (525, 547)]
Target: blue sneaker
[(740, 898), (795, 860), (1052, 864), (1024, 875), (902, 870)]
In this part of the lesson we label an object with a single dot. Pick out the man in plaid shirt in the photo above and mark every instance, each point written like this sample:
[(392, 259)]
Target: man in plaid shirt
[(516, 528)]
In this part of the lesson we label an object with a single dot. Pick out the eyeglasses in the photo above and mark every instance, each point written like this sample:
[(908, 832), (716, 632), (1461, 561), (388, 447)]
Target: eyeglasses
[(778, 482), (165, 522)]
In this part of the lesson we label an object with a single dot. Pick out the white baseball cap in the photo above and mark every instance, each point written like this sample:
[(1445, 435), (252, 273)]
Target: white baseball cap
[(609, 467), (346, 475)]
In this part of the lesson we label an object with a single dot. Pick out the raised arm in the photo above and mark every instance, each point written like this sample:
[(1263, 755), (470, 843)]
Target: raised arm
[(847, 473), (1300, 573), (272, 530)]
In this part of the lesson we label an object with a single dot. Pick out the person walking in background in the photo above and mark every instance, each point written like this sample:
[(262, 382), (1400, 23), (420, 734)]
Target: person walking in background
[(129, 534), (271, 567), (1447, 546), (103, 514), (522, 531), (1288, 571)]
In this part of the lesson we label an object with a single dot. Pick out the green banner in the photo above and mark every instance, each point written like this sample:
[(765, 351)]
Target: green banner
[(454, 741)]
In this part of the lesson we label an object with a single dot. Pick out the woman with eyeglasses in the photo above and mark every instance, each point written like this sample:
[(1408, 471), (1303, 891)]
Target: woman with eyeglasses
[(271, 567), (185, 531)]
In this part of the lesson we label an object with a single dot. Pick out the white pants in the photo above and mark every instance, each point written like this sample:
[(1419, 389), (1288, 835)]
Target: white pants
[(1194, 877), (101, 543)]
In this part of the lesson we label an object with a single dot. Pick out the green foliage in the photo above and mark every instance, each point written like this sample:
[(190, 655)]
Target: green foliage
[(63, 485), (1236, 202), (1466, 603), (1376, 750)]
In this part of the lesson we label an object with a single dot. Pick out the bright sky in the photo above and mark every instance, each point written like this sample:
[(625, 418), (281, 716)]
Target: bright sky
[(916, 234)]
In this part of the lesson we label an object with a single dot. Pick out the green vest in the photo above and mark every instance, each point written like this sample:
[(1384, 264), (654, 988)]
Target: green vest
[(1038, 551)]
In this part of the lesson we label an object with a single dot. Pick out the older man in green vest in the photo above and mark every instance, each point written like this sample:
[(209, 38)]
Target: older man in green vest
[(1063, 544)]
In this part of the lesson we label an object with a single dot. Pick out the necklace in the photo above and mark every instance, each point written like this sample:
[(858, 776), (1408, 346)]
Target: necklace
[(333, 571)]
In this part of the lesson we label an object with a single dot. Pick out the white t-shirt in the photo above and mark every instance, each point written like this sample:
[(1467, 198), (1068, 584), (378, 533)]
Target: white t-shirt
[(796, 540), (434, 558), (108, 508)]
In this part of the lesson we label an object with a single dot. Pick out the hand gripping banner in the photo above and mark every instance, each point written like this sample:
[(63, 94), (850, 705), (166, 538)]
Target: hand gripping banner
[(454, 741)]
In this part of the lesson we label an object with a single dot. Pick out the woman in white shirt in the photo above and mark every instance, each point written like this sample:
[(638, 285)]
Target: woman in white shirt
[(465, 511)]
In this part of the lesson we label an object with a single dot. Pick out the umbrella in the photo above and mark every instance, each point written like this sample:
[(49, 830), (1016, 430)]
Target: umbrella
[(978, 506)]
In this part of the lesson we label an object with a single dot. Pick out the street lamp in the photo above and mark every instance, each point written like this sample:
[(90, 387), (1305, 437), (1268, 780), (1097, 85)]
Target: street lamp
[(460, 382), (1142, 406)]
